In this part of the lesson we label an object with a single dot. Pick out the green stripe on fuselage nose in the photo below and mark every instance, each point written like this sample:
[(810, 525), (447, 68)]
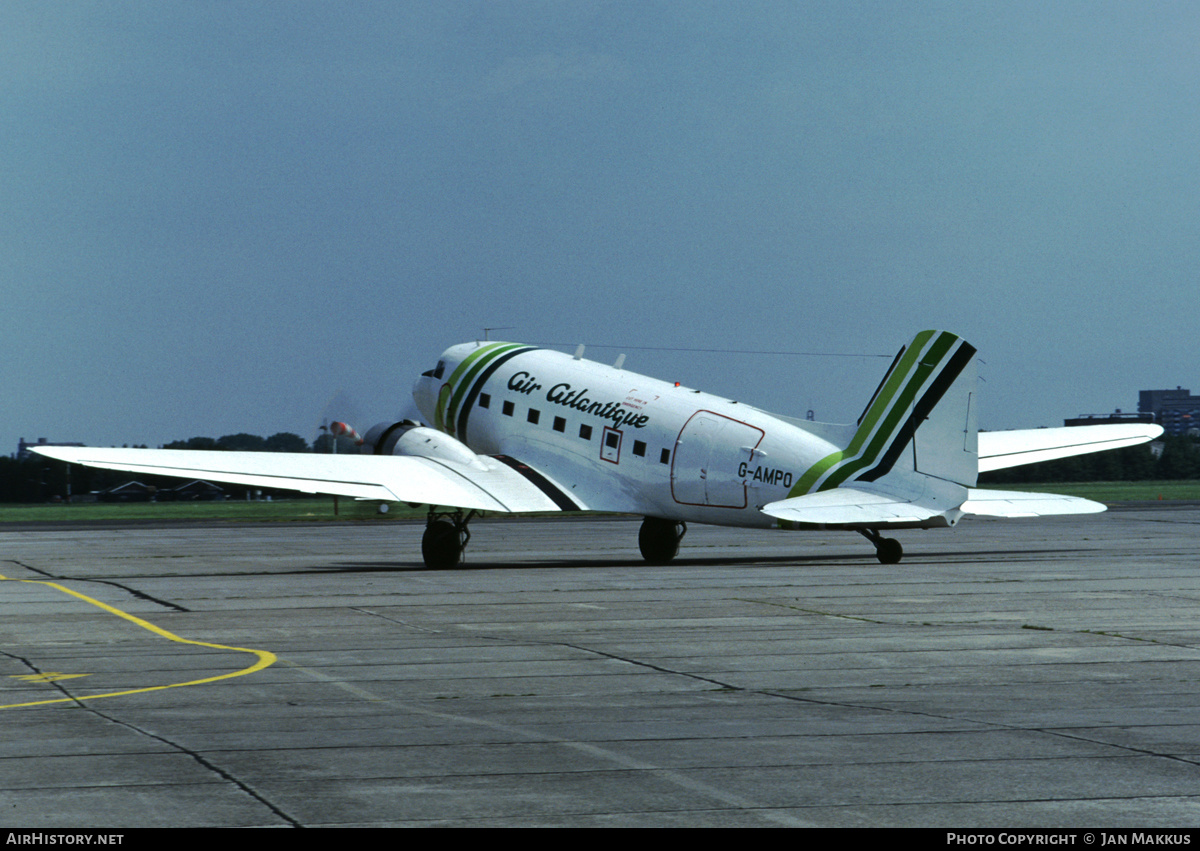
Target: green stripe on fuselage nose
[(447, 392), (477, 381), (463, 387)]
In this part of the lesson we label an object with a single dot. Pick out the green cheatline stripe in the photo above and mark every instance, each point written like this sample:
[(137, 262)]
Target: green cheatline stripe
[(894, 384), (439, 421), (447, 390), (478, 382), (896, 418), (900, 387), (805, 482), (460, 391)]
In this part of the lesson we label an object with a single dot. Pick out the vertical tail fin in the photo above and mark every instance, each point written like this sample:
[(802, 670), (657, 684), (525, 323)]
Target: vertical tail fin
[(921, 418), (946, 441)]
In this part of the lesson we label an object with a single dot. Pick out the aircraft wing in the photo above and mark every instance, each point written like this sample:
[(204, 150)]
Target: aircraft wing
[(490, 484), (1001, 449)]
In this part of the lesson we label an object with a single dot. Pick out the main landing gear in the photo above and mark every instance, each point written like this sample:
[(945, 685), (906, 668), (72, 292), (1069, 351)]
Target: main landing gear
[(887, 550), (659, 539), (445, 538)]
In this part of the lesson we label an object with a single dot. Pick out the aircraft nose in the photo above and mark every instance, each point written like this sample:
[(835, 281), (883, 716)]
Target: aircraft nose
[(424, 393)]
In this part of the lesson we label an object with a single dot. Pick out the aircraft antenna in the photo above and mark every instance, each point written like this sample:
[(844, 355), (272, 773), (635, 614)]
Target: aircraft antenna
[(496, 328), (720, 351)]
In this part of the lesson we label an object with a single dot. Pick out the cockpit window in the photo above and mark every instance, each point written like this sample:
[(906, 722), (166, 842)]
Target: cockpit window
[(440, 370)]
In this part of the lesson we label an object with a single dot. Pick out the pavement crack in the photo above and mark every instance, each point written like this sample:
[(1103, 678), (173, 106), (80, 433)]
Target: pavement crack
[(1075, 737), (36, 670), (201, 760), (641, 664), (133, 592), (821, 612), (576, 647), (142, 595), (399, 621)]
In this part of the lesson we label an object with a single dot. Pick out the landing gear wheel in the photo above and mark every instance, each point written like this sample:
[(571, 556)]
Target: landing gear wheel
[(659, 539), (444, 540), (887, 550)]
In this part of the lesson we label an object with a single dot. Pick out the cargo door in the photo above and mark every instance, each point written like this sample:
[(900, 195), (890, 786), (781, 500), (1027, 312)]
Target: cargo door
[(708, 457)]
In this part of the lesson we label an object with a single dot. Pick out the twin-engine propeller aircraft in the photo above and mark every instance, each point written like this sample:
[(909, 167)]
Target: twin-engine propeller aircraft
[(515, 428)]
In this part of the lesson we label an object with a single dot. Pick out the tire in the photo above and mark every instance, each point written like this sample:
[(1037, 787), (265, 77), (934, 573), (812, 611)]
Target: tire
[(658, 540), (441, 545)]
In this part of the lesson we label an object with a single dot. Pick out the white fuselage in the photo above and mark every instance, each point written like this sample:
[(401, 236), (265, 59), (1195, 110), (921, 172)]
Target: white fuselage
[(616, 440)]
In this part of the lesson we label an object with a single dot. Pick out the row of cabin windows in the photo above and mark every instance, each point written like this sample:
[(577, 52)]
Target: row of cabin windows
[(560, 424)]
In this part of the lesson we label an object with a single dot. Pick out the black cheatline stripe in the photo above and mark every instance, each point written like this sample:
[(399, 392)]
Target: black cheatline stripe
[(921, 411), (543, 484), (886, 376), (460, 425)]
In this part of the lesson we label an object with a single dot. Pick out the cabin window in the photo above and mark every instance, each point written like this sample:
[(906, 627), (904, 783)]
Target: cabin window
[(485, 400), (612, 440), (560, 424), (534, 415), (508, 408), (665, 457), (639, 448), (585, 431)]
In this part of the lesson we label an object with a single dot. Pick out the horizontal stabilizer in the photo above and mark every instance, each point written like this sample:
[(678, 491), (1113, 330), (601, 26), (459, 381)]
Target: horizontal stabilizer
[(993, 503), (496, 485), (999, 450), (925, 502)]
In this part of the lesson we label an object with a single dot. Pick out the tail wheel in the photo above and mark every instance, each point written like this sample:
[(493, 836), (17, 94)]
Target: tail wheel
[(887, 550)]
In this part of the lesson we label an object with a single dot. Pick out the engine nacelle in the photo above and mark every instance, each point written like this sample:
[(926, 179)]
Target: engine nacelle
[(410, 438)]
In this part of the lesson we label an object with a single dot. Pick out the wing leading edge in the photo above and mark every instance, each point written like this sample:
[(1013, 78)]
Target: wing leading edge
[(492, 484), (999, 450)]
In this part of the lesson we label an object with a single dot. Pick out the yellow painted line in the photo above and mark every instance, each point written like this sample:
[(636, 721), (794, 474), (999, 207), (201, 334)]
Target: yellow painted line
[(265, 659)]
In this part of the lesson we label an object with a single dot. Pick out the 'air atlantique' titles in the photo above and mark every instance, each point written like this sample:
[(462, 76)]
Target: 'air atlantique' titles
[(562, 394)]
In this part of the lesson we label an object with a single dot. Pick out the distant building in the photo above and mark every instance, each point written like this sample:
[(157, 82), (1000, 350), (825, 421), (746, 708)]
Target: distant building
[(1177, 411), (138, 492), (1117, 416), (128, 492), (192, 491)]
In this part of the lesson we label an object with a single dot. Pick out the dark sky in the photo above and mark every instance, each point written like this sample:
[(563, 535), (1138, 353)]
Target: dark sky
[(233, 216)]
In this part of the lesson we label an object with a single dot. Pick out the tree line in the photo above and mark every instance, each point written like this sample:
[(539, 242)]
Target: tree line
[(39, 479), (285, 441)]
